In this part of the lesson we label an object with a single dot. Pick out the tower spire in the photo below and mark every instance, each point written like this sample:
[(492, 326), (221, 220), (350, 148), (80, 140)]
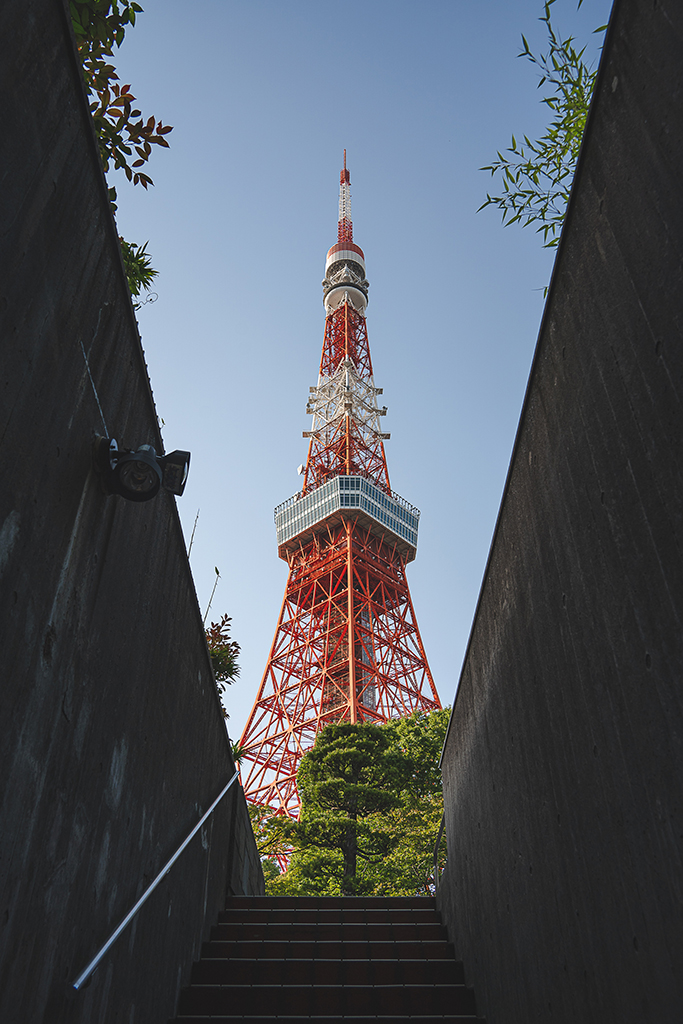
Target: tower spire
[(345, 225), (346, 436), (347, 646)]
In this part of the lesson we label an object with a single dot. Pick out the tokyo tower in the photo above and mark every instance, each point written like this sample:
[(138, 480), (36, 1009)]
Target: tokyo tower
[(347, 647)]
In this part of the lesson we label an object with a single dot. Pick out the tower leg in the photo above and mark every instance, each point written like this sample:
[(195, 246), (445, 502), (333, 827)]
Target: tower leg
[(347, 648)]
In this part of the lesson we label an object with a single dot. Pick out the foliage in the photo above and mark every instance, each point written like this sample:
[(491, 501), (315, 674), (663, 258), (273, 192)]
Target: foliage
[(224, 652), (124, 136), (138, 265), (269, 831), (536, 178), (351, 772), (100, 25), (408, 868), (238, 752), (371, 806), (312, 871), (420, 738)]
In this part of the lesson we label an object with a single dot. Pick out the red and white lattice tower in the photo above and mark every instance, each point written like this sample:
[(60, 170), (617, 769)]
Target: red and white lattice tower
[(347, 646)]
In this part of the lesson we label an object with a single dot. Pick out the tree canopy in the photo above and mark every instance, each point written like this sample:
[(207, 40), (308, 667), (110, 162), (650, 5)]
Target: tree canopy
[(371, 806)]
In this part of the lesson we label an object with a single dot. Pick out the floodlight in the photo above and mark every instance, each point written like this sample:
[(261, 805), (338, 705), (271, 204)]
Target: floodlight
[(138, 474), (175, 467)]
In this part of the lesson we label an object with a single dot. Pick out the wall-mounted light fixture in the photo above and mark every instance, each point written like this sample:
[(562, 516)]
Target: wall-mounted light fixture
[(138, 475)]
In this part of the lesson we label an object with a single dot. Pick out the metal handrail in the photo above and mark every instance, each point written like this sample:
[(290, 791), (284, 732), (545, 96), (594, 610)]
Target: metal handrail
[(436, 850), (85, 974)]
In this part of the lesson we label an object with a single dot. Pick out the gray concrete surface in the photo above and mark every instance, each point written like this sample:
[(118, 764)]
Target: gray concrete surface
[(113, 738), (563, 768)]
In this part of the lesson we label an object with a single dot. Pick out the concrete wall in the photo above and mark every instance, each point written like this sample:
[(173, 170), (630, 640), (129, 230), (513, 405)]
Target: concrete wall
[(563, 767), (113, 739)]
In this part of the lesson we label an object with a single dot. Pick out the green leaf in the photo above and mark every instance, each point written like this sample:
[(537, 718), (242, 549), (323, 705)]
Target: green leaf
[(535, 179)]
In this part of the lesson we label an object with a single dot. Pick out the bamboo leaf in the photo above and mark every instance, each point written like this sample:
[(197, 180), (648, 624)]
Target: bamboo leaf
[(535, 179)]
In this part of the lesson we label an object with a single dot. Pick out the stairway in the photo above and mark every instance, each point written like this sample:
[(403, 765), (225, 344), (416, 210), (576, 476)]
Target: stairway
[(306, 959)]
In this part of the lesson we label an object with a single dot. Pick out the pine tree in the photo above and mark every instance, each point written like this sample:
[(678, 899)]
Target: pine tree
[(371, 806)]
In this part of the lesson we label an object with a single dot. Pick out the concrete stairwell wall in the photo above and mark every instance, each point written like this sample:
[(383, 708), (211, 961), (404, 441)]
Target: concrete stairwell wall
[(113, 741), (563, 766)]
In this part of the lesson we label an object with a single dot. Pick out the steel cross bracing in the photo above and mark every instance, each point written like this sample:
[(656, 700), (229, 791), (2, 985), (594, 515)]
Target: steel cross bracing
[(346, 648), (347, 645)]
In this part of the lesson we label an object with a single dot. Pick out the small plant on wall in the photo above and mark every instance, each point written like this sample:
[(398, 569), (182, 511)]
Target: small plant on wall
[(224, 653), (124, 135)]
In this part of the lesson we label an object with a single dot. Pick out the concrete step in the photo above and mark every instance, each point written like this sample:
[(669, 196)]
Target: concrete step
[(306, 950), (396, 1019), (404, 932), (380, 1001), (332, 902), (299, 959), (220, 971), (324, 915)]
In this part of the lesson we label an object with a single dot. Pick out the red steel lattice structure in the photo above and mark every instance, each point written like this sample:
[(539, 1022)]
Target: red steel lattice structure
[(347, 645)]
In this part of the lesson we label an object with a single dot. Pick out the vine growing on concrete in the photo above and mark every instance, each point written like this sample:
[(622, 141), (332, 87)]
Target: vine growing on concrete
[(125, 137)]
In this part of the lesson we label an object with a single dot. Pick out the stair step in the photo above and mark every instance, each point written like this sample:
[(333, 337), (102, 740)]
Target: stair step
[(366, 915), (320, 1000), (248, 930), (297, 950), (332, 902), (396, 1019), (259, 971), (331, 959)]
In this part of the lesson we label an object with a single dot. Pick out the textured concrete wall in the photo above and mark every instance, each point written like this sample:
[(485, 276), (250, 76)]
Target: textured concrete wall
[(563, 768), (113, 739)]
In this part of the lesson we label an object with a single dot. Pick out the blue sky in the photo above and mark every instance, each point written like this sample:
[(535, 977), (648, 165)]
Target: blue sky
[(264, 97)]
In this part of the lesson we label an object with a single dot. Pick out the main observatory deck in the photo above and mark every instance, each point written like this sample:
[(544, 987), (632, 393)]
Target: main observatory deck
[(387, 515)]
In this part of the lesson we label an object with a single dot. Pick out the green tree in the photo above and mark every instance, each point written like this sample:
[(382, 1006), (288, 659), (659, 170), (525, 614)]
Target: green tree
[(312, 871), (371, 806), (420, 738), (353, 771), (124, 136), (412, 827), (270, 835), (224, 653), (535, 179), (408, 868)]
